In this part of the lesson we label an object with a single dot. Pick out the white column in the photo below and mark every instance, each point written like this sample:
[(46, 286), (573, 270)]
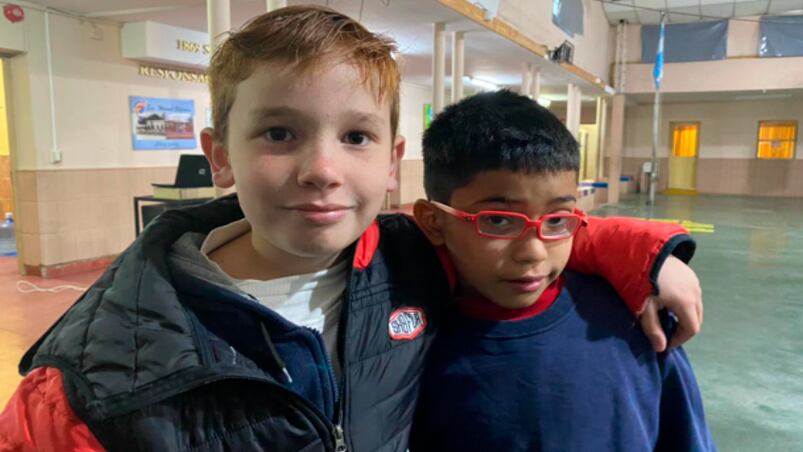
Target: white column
[(535, 89), (218, 20), (438, 67), (458, 65), (572, 113), (275, 4), (526, 79), (602, 129), (578, 108), (615, 151)]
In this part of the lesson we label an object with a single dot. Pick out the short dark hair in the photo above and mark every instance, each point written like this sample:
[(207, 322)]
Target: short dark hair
[(490, 131)]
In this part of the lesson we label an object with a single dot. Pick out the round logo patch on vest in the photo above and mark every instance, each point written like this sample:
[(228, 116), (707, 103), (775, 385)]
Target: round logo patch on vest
[(406, 323)]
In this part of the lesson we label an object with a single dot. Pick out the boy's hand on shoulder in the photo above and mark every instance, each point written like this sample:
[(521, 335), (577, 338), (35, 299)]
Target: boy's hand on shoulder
[(680, 292)]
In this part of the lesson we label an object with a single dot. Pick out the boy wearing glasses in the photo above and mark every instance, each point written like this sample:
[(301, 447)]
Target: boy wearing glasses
[(537, 358)]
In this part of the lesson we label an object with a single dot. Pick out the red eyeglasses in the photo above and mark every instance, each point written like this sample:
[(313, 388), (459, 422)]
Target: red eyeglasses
[(511, 225)]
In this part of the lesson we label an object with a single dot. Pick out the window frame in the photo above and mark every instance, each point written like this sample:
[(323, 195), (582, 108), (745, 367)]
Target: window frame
[(671, 147), (792, 122)]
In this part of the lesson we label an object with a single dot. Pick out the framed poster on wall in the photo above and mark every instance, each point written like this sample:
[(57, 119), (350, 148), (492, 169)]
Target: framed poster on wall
[(162, 123)]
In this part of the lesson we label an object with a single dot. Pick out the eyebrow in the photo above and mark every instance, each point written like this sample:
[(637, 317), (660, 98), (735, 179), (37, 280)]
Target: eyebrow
[(269, 112), (506, 200), (562, 199), (260, 114), (369, 119)]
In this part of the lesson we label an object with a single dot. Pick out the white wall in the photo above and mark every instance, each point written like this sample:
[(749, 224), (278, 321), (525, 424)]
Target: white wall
[(728, 130), (591, 50), (92, 84), (411, 117)]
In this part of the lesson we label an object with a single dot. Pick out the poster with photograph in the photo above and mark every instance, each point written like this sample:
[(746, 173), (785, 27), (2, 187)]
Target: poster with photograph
[(162, 123)]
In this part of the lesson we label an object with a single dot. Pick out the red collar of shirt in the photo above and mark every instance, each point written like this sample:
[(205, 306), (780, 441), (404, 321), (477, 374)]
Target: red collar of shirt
[(478, 307)]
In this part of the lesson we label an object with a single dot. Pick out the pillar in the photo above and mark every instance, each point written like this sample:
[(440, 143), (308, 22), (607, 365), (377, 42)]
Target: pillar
[(602, 125), (438, 67), (275, 4), (218, 20), (615, 151), (535, 89), (458, 65), (526, 79)]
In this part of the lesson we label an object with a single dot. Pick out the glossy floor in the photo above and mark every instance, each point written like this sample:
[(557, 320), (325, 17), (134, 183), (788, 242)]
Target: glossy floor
[(25, 316), (749, 356)]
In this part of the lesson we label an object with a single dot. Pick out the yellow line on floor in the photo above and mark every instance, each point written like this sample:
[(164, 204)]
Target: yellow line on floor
[(692, 226)]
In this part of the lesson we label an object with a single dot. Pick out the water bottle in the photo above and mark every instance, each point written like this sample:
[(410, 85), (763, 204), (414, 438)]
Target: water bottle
[(8, 238)]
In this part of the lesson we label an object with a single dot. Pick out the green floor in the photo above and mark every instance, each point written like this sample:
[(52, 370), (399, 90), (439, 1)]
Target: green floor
[(749, 356)]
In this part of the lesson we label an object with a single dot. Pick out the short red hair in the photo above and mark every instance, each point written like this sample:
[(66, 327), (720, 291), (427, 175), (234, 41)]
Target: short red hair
[(301, 37)]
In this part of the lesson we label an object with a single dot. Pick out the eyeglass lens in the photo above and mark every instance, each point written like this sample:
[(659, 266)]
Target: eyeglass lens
[(512, 226)]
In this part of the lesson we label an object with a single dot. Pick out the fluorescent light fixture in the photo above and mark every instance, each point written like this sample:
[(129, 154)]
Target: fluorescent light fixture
[(483, 84), (544, 102)]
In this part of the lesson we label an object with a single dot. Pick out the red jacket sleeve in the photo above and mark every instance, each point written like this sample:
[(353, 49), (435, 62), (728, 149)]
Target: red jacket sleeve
[(38, 417), (628, 253)]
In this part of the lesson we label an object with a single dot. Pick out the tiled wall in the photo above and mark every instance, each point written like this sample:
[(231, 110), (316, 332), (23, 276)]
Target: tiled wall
[(66, 216), (411, 183), (748, 177)]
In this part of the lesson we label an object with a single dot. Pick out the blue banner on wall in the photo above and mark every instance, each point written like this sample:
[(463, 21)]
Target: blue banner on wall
[(781, 36), (697, 41), (568, 16), (162, 123)]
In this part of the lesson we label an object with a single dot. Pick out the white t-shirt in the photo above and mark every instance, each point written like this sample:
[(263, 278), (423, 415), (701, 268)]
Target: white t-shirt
[(312, 300)]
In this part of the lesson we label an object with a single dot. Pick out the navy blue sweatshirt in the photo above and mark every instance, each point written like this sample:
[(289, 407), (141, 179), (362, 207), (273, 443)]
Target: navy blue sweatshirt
[(581, 376)]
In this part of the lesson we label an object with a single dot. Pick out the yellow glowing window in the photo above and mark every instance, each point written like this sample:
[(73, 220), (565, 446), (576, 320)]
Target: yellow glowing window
[(776, 139), (684, 140)]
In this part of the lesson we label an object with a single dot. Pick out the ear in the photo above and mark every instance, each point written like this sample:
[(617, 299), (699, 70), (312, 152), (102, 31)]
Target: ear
[(218, 156), (395, 160), (429, 219)]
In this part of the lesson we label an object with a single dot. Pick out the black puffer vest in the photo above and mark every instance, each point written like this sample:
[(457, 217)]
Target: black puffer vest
[(155, 359)]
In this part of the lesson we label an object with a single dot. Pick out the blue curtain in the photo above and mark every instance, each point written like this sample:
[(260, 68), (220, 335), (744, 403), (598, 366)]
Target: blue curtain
[(781, 36), (696, 41)]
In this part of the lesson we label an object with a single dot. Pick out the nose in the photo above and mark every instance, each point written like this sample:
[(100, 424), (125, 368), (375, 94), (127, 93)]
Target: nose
[(528, 249), (319, 168)]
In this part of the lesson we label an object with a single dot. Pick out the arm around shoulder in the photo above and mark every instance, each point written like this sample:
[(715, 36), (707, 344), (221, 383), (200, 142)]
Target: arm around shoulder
[(39, 417), (629, 253)]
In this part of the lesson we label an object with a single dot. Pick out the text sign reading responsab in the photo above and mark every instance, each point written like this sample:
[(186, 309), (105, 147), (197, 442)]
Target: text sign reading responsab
[(172, 74), (162, 123), (152, 42)]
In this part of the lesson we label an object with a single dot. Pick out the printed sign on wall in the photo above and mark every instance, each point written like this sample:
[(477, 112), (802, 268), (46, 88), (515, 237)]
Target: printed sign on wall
[(162, 123)]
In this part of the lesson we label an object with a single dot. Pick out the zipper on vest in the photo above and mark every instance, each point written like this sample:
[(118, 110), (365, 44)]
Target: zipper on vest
[(340, 413), (335, 430), (338, 435), (340, 439)]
